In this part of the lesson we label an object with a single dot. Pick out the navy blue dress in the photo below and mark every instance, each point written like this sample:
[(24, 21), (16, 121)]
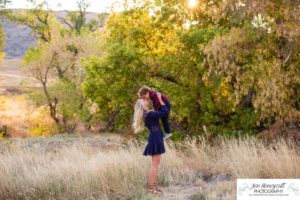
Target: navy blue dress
[(155, 140)]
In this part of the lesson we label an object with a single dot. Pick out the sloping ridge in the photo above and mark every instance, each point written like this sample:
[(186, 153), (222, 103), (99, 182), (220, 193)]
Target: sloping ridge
[(19, 38)]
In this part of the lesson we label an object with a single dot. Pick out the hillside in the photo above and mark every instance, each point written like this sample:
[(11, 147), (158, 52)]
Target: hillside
[(19, 39)]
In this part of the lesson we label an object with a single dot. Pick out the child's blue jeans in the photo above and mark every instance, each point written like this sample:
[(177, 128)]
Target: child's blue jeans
[(165, 120)]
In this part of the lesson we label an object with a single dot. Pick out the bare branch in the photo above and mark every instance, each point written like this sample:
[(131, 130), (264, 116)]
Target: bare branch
[(66, 22)]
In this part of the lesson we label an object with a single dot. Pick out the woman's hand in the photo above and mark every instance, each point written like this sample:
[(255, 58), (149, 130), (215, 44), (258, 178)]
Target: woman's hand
[(159, 98), (159, 95)]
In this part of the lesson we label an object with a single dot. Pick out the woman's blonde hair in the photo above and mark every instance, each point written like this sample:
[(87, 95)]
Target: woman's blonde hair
[(138, 117)]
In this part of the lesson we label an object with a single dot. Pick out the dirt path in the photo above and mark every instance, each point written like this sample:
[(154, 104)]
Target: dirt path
[(216, 187), (181, 192), (220, 190)]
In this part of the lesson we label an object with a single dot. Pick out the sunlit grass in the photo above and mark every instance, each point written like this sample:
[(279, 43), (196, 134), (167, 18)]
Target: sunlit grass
[(23, 119), (120, 172)]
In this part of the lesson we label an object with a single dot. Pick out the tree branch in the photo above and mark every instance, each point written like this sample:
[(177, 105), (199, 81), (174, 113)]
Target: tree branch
[(66, 23), (167, 77)]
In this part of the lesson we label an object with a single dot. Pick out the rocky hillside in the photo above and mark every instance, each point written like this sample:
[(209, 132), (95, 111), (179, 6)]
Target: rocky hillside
[(20, 37)]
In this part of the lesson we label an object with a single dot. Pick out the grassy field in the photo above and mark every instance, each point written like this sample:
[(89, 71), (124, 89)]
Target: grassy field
[(11, 75), (109, 167)]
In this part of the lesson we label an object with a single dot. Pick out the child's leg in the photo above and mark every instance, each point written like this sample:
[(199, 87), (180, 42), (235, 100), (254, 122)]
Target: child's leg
[(165, 121)]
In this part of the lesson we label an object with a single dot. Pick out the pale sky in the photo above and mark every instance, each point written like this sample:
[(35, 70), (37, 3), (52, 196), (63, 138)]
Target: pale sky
[(95, 5)]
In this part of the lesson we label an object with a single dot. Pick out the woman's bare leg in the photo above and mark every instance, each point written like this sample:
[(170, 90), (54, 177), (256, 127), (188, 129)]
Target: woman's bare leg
[(157, 162), (154, 169)]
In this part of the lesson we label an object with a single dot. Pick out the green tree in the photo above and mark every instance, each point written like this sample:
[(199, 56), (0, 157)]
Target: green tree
[(56, 64), (39, 19), (229, 66), (3, 3)]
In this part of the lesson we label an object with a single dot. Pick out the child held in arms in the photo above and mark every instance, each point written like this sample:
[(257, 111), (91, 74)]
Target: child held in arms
[(149, 94)]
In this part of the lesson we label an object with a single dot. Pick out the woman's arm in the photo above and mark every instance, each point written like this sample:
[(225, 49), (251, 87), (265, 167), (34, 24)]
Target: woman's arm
[(159, 114), (159, 98)]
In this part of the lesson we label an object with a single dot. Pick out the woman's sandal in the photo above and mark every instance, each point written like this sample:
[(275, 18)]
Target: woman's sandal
[(157, 188), (153, 189)]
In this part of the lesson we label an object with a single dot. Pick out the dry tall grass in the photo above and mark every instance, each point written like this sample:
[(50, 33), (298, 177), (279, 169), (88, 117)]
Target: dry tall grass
[(81, 172)]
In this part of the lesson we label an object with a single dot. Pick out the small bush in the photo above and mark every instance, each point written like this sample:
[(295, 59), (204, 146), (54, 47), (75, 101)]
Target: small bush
[(177, 136), (23, 119)]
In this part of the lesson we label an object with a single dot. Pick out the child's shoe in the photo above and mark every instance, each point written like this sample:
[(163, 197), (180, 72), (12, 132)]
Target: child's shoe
[(167, 135)]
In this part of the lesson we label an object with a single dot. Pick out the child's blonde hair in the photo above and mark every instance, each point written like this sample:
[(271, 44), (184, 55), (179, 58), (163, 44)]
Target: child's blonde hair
[(138, 117)]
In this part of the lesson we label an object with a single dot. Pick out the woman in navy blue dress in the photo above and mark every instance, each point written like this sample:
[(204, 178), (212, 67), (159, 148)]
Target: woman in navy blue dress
[(143, 116)]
